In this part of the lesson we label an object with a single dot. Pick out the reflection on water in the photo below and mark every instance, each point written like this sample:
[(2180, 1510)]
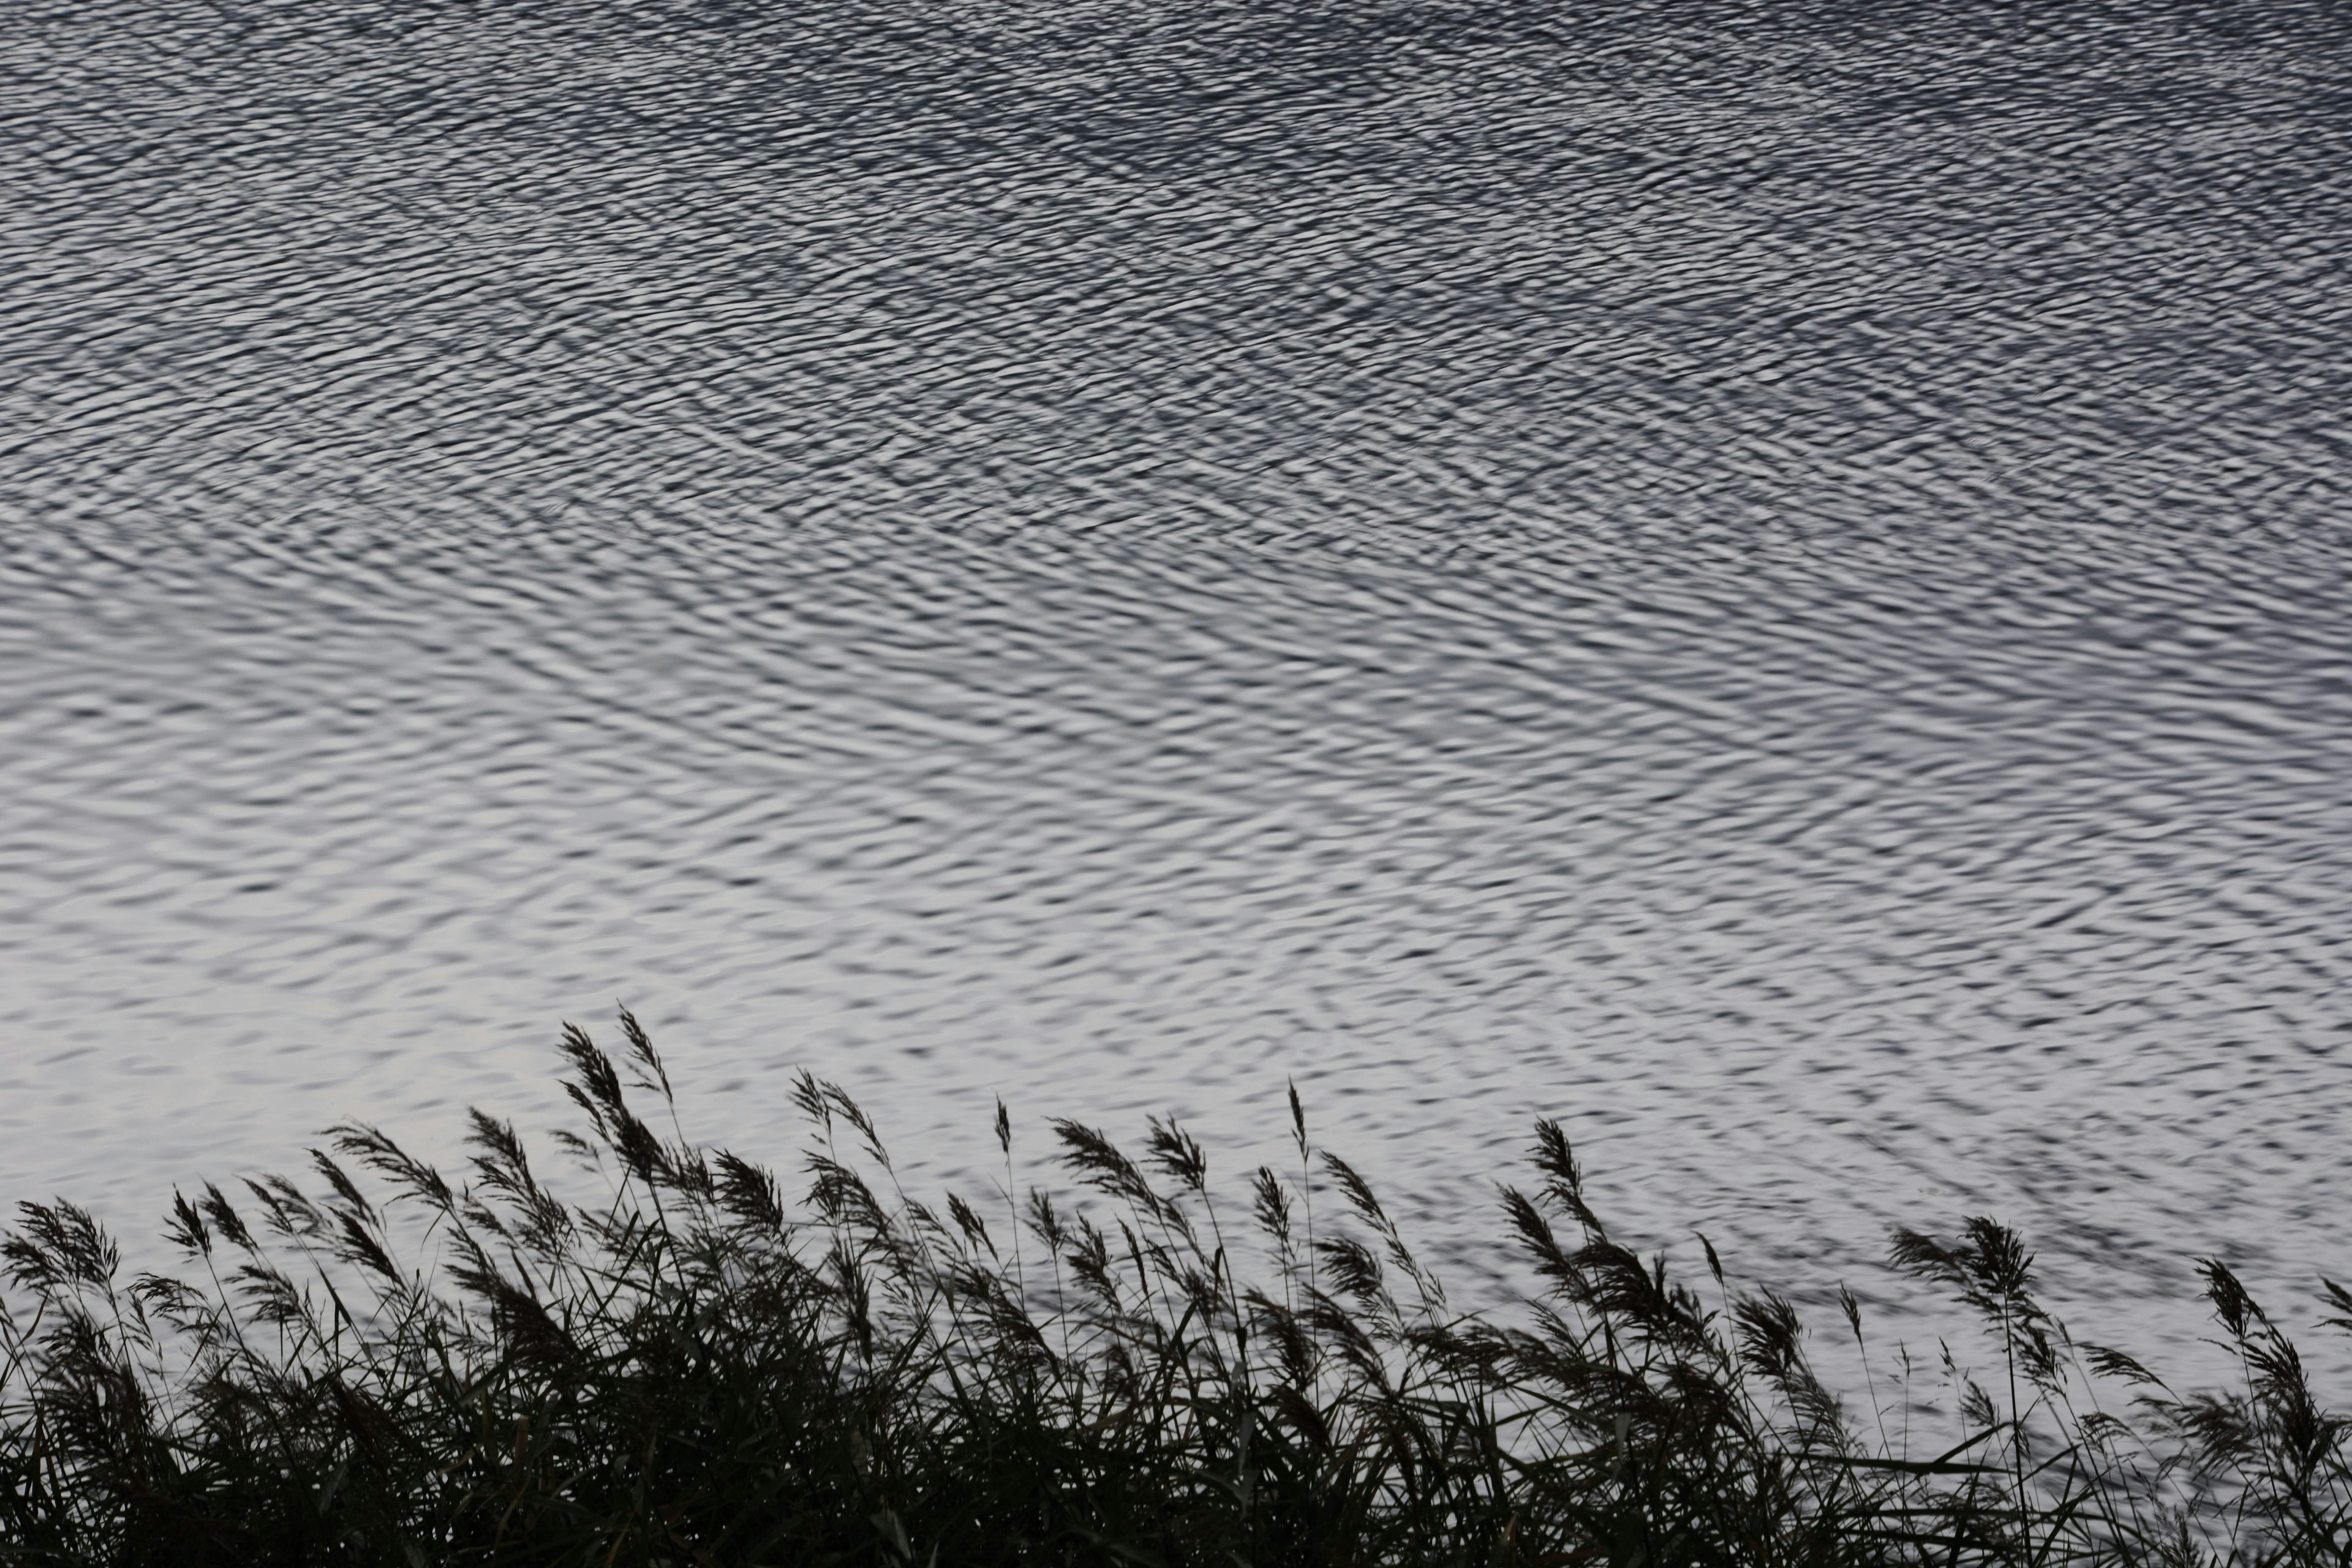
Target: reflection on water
[(1770, 580)]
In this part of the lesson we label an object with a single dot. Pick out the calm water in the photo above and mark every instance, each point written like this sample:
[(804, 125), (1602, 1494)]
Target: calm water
[(1768, 580)]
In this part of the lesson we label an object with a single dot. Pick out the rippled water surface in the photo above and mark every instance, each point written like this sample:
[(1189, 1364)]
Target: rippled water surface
[(1770, 580)]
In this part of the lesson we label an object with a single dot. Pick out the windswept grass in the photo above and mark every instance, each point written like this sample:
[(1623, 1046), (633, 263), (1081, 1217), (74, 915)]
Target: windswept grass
[(384, 1365)]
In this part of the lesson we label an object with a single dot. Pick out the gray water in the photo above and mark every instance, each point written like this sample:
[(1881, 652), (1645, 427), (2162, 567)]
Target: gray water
[(1770, 581)]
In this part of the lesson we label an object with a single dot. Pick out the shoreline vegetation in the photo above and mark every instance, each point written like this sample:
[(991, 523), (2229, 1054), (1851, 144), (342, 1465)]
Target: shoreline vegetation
[(383, 1365)]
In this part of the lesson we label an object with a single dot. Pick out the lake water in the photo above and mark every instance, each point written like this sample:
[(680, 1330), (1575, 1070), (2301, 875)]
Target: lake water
[(1770, 580)]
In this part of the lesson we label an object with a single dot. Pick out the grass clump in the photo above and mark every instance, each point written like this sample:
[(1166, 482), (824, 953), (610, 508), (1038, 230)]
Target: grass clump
[(384, 1365)]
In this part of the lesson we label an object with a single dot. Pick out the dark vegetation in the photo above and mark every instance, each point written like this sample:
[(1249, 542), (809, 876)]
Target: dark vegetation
[(692, 1369)]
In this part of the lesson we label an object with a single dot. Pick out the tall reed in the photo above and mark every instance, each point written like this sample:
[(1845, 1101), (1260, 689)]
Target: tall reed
[(385, 1364)]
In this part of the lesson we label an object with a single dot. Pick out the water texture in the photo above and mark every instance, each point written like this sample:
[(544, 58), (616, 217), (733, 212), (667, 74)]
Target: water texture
[(1768, 580)]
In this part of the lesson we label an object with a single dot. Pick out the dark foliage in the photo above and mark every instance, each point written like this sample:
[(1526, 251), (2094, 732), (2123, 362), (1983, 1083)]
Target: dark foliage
[(691, 1369)]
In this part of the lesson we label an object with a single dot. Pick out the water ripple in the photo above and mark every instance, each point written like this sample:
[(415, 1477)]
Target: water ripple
[(1769, 579)]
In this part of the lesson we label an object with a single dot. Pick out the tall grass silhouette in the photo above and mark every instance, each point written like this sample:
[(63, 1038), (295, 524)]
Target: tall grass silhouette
[(385, 1364)]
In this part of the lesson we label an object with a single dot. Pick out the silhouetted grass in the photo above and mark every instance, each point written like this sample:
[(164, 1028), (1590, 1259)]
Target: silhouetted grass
[(692, 1369)]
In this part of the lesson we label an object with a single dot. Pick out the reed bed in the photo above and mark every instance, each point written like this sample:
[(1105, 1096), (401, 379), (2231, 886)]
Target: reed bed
[(380, 1364)]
